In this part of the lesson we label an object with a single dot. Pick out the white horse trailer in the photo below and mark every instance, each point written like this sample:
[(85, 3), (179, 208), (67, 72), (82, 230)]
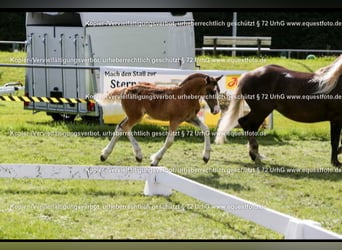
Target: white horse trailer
[(73, 45)]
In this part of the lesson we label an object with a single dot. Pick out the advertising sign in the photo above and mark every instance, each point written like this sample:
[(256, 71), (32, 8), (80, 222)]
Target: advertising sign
[(112, 77)]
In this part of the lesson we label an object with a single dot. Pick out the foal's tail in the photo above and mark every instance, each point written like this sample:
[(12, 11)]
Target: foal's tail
[(110, 97), (230, 118)]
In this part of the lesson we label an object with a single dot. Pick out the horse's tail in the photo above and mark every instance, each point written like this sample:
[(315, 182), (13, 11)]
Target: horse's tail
[(229, 119), (110, 97), (327, 78)]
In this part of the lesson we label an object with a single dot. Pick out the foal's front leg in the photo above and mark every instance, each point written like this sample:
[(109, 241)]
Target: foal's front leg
[(205, 130)]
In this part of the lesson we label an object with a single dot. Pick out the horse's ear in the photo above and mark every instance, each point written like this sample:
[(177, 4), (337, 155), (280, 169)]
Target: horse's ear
[(218, 78), (207, 80)]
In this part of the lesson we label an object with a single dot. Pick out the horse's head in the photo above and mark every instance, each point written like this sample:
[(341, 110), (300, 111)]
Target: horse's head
[(212, 94)]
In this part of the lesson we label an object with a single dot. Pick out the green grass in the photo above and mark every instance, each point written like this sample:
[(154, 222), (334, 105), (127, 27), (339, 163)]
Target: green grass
[(292, 130), (296, 178), (12, 74), (250, 63)]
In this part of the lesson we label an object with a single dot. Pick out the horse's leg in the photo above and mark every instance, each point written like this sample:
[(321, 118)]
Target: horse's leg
[(339, 150), (155, 158), (250, 124), (124, 126), (136, 147), (116, 135), (335, 132), (127, 127), (207, 148)]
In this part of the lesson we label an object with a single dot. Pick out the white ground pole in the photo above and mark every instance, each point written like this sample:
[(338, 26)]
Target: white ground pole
[(160, 181)]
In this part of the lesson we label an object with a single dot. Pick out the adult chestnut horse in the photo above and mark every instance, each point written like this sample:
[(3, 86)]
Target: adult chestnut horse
[(303, 97), (174, 104)]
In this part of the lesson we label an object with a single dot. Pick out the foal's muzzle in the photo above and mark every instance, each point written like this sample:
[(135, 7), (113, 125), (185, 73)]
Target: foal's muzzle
[(216, 109)]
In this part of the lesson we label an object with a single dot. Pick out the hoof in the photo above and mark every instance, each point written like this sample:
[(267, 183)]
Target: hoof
[(205, 159), (102, 158), (261, 157), (336, 163), (339, 150), (256, 156), (252, 155), (138, 159), (154, 160), (219, 140)]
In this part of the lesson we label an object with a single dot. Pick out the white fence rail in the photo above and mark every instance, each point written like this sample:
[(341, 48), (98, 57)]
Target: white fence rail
[(284, 52), (160, 181), (15, 44), (10, 88)]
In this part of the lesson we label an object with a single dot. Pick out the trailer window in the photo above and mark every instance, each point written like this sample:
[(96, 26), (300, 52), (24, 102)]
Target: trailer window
[(178, 13), (53, 19)]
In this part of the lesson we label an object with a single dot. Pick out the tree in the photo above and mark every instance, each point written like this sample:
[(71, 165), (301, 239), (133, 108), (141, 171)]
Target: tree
[(12, 28)]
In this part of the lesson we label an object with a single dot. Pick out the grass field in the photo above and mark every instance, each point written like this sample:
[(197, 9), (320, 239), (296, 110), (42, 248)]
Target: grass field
[(296, 178)]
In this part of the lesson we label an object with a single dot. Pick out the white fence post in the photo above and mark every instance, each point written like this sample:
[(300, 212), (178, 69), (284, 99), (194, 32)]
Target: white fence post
[(294, 229), (308, 229), (152, 187)]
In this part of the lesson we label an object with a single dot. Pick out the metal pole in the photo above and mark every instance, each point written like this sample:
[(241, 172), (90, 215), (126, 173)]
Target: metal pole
[(33, 72), (234, 32), (48, 66), (61, 42), (46, 72), (76, 72)]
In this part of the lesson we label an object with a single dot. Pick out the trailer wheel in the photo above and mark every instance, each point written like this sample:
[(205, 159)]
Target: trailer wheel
[(62, 117), (90, 119)]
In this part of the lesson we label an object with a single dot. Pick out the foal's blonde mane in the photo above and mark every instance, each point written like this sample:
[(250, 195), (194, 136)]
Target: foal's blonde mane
[(327, 77)]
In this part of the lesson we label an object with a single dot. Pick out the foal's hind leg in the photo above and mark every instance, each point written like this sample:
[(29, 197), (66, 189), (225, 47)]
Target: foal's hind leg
[(207, 148), (155, 158), (124, 126), (136, 148), (250, 124)]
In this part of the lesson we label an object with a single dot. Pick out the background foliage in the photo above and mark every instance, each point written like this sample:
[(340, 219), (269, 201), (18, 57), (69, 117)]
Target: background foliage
[(12, 27), (283, 37)]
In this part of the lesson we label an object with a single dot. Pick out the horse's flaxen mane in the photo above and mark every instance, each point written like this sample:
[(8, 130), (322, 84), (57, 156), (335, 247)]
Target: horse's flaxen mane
[(327, 77)]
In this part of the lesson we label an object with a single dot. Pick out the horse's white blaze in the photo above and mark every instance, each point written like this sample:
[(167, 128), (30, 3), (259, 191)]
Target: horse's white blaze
[(217, 109)]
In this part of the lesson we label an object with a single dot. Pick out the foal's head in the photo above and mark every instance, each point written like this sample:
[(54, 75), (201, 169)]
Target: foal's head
[(212, 93)]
